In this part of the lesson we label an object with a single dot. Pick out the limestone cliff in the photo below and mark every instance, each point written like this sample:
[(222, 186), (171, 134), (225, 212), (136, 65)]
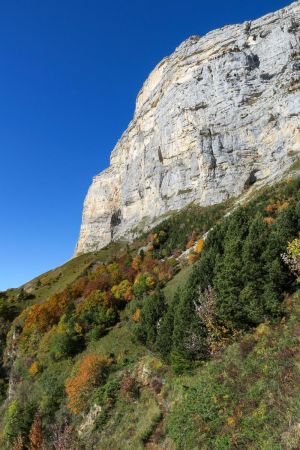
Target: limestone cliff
[(219, 114)]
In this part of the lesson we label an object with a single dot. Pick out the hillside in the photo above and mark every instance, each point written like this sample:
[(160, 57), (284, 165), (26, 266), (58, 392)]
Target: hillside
[(180, 340), (176, 325)]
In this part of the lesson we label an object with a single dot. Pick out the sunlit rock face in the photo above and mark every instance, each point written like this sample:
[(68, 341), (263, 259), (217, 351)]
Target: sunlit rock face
[(220, 113)]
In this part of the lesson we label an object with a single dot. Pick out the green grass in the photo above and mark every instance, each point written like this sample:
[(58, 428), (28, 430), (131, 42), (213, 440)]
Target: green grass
[(177, 282), (130, 423), (247, 397), (118, 341)]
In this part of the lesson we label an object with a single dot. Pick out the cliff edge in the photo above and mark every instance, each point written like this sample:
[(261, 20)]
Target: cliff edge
[(218, 115)]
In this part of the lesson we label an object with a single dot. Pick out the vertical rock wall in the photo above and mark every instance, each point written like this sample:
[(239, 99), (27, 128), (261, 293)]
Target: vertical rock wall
[(218, 114)]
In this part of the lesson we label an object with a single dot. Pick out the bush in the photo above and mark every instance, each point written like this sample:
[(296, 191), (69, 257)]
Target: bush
[(18, 419), (90, 373), (51, 384)]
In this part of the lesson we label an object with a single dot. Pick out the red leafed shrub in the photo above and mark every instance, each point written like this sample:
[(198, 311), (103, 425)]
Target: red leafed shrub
[(128, 387)]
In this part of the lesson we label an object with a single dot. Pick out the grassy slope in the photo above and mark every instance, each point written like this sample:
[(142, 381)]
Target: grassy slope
[(178, 281), (247, 397), (59, 278)]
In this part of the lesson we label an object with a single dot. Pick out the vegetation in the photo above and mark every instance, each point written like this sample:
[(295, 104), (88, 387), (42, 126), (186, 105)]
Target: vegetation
[(180, 231), (239, 281), (142, 347), (247, 397)]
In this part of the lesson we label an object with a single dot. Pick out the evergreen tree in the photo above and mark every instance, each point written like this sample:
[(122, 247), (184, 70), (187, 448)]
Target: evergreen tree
[(189, 334), (165, 330), (278, 277), (154, 307), (228, 282), (251, 311)]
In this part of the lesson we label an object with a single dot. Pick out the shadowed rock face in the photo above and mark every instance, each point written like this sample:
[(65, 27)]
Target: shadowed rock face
[(219, 114)]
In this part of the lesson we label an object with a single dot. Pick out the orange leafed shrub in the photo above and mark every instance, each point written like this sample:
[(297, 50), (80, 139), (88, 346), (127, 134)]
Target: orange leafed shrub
[(136, 316), (191, 241), (33, 369), (148, 263), (278, 206), (36, 434), (90, 373), (44, 316), (19, 443), (192, 258), (199, 246), (269, 220), (136, 263), (271, 207), (283, 205)]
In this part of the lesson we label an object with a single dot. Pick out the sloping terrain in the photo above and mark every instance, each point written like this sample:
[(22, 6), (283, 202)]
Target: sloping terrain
[(180, 340)]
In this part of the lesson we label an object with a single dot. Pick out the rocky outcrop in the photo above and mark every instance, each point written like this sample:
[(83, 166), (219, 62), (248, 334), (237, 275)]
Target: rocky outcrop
[(217, 115)]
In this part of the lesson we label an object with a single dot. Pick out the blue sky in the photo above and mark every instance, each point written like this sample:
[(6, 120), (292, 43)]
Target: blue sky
[(69, 74)]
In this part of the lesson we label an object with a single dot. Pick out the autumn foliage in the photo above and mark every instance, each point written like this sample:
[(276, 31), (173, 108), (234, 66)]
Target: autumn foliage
[(36, 434), (199, 246), (91, 372)]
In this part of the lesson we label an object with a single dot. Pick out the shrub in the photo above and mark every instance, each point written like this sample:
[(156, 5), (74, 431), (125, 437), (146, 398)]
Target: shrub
[(18, 420), (52, 387), (122, 291), (128, 387), (107, 394), (90, 373), (36, 434), (292, 257), (59, 342)]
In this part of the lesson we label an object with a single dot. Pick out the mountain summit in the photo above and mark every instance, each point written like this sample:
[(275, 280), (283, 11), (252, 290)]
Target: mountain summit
[(218, 115)]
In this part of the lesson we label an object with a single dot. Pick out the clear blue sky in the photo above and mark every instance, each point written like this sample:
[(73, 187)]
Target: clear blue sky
[(69, 74)]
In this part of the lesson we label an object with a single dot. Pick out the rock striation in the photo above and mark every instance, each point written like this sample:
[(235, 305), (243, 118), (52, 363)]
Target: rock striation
[(219, 114)]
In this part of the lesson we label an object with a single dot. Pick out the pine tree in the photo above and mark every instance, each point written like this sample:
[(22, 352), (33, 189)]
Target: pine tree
[(278, 277), (165, 330), (228, 282), (154, 307), (251, 309), (189, 334)]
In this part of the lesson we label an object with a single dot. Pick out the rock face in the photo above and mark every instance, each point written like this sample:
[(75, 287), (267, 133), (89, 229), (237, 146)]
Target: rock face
[(218, 114)]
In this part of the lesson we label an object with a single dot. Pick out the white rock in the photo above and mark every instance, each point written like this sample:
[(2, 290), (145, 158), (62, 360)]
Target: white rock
[(217, 111)]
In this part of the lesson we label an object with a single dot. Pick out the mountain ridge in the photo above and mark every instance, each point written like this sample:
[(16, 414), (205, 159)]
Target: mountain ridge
[(214, 117)]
